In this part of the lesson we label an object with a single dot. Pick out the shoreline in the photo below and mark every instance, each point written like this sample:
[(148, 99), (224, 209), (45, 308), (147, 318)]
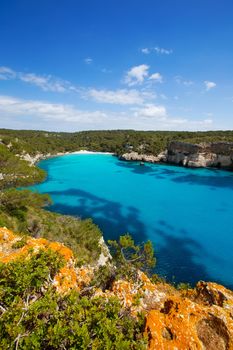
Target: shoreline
[(33, 160), (161, 158), (83, 151)]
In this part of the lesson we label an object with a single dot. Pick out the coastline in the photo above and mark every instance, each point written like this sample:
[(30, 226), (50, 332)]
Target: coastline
[(33, 160), (89, 152), (212, 155)]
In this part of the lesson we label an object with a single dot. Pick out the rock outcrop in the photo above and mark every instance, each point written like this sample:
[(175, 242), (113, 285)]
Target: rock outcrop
[(193, 319), (218, 154), (197, 319), (135, 156)]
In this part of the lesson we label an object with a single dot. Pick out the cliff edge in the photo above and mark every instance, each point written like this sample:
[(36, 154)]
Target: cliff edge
[(199, 318), (216, 154)]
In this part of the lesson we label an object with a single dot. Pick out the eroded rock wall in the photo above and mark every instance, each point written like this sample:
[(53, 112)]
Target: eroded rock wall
[(219, 154)]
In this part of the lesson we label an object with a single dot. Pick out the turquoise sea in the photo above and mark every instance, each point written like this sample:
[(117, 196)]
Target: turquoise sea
[(186, 213)]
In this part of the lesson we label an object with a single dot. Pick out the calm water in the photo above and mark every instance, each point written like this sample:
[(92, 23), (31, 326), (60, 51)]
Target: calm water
[(187, 213)]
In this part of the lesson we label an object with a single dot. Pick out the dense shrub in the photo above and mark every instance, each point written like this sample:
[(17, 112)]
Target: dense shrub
[(22, 212), (34, 316)]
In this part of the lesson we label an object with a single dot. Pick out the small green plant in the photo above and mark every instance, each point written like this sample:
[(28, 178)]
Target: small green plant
[(19, 244), (183, 286), (129, 257)]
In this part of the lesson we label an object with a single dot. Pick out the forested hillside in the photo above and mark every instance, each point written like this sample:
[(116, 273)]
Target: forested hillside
[(116, 141)]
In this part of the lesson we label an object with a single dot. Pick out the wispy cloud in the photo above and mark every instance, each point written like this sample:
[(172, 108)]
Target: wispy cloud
[(180, 80), (119, 97), (137, 74), (209, 85), (45, 82), (146, 50), (7, 73), (156, 49), (48, 111), (162, 51), (105, 70), (68, 117), (151, 111), (156, 77), (159, 115), (88, 60)]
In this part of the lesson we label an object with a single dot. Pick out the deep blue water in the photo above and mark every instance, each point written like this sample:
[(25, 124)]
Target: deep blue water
[(187, 213)]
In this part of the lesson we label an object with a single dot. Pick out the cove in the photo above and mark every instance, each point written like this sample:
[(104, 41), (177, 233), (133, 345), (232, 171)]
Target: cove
[(186, 213)]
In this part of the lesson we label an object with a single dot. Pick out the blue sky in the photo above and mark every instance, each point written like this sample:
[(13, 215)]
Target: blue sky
[(70, 65)]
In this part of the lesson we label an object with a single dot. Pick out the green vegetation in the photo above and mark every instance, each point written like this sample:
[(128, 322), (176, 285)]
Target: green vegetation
[(34, 316), (17, 172), (127, 259), (117, 141), (22, 211)]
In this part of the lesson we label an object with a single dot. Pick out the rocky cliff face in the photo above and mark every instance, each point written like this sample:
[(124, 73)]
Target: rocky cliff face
[(219, 154), (135, 156), (199, 318)]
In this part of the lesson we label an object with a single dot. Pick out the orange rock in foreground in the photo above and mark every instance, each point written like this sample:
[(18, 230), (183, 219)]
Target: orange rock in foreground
[(201, 318), (196, 319), (66, 279)]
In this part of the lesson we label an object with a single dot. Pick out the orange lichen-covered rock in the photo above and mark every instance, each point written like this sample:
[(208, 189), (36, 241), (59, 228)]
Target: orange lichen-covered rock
[(8, 251), (66, 279), (188, 322), (61, 249), (70, 277), (193, 319)]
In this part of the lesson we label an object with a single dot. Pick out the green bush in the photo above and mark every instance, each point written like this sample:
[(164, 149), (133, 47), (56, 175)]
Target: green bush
[(34, 316)]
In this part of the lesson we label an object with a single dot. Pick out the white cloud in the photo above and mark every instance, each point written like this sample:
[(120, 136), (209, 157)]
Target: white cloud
[(157, 77), (146, 50), (120, 97), (48, 111), (7, 73), (152, 111), (46, 83), (158, 114), (43, 115), (136, 75), (88, 60), (162, 51), (209, 85), (157, 49), (180, 80)]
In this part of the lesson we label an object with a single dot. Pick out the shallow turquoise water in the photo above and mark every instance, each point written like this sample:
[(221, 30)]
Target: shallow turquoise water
[(187, 213)]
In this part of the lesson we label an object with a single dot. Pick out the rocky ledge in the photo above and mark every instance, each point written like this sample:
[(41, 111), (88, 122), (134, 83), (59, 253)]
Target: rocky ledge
[(199, 318), (217, 155), (135, 156)]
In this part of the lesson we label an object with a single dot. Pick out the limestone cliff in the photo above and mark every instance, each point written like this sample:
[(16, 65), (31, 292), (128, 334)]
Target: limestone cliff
[(199, 318), (135, 156), (217, 154)]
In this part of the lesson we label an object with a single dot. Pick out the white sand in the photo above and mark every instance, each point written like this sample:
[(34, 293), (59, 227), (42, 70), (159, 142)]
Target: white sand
[(83, 151)]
